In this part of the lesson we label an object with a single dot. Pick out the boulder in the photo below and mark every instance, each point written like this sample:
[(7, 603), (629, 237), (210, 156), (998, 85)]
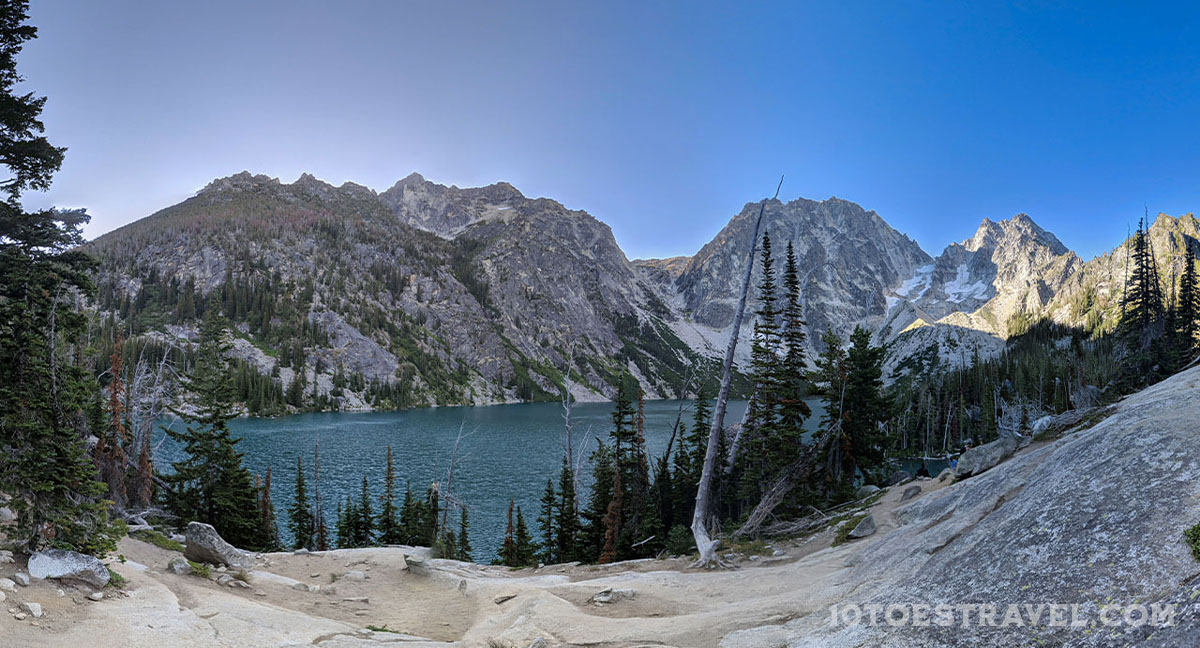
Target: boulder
[(610, 595), (205, 545), (33, 609), (7, 585), (899, 477), (864, 528), (355, 575), (21, 578), (866, 491), (947, 473), (66, 565), (179, 566), (5, 557), (96, 596), (224, 579), (985, 457), (910, 492), (416, 564)]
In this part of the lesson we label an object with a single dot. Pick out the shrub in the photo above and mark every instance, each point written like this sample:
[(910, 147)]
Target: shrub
[(1192, 536)]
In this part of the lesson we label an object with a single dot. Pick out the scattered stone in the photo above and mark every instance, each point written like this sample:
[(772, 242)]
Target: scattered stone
[(947, 473), (502, 598), (416, 564), (7, 585), (539, 643), (34, 609), (778, 552), (224, 579), (239, 584), (356, 599), (96, 596), (2, 597), (899, 477), (19, 616), (204, 544), (22, 579), (866, 491), (610, 595), (366, 632), (864, 528), (910, 492), (179, 566), (178, 537), (329, 589), (355, 575), (755, 558), (314, 575), (60, 593), (260, 593), (5, 557), (222, 569), (301, 552), (7, 515), (68, 565), (302, 587)]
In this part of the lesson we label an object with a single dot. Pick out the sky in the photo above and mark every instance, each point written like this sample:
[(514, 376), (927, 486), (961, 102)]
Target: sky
[(661, 119)]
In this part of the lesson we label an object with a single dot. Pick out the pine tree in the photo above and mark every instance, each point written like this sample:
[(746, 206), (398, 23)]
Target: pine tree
[(300, 515), (266, 508), (762, 425), (110, 443), (1142, 305), (390, 531), (524, 548), (508, 550), (793, 410), (568, 519), (866, 406), (210, 484), (364, 522), (44, 467), (1187, 314), (547, 522), (464, 539)]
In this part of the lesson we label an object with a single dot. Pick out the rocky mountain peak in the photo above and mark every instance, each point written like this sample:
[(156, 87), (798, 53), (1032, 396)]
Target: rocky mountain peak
[(239, 182), (1018, 231)]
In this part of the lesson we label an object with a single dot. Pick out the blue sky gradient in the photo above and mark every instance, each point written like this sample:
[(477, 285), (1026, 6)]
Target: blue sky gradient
[(661, 119)]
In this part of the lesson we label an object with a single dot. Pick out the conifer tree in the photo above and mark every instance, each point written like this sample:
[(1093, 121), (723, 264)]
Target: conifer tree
[(1188, 308), (390, 531), (210, 484), (866, 405), (300, 516), (110, 443), (1142, 304), (508, 549), (755, 461), (364, 522), (464, 538), (524, 548), (44, 466), (547, 519), (793, 410), (266, 508), (568, 519)]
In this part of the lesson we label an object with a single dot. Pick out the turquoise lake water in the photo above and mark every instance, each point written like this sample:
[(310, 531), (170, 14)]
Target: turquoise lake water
[(507, 451)]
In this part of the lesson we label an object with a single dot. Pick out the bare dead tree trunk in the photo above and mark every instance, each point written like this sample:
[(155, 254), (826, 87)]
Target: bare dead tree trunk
[(784, 484), (704, 543), (567, 404)]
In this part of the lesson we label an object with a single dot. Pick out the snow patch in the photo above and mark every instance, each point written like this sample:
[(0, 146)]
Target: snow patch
[(960, 290)]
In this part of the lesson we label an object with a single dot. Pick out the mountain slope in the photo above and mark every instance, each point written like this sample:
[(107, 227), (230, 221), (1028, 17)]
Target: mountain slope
[(347, 289)]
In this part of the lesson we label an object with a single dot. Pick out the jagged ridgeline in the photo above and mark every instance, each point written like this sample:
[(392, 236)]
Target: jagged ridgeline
[(423, 294)]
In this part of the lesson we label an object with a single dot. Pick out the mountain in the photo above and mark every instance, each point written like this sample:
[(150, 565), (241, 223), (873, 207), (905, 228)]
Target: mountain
[(425, 293), (429, 294)]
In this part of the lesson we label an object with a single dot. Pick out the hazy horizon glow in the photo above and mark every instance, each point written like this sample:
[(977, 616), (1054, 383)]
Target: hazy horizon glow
[(660, 119)]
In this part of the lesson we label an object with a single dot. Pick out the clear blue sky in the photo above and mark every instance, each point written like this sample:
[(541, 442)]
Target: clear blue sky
[(660, 119)]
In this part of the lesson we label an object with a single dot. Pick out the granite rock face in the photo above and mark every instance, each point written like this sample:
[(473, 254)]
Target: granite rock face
[(66, 565), (1094, 518), (205, 545)]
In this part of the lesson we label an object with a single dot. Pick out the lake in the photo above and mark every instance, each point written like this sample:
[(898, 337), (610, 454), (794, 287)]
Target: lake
[(507, 451)]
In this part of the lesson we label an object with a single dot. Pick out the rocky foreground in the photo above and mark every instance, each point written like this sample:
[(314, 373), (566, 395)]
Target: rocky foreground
[(1092, 519)]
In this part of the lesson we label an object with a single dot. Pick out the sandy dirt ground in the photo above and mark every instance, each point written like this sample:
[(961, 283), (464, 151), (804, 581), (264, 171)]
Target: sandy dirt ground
[(328, 599)]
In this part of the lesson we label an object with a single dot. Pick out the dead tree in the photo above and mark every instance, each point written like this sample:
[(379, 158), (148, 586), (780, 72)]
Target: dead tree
[(787, 480), (700, 519)]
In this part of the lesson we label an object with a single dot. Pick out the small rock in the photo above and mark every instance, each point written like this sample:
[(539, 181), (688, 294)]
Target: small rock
[(260, 593), (60, 593), (755, 558), (864, 528), (7, 585), (778, 552), (356, 599), (910, 492), (96, 596), (22, 579), (222, 569), (7, 515), (224, 579), (329, 589), (899, 477), (539, 643), (502, 598), (302, 587), (355, 575), (34, 609), (19, 616), (239, 584), (948, 473), (366, 632), (301, 552), (5, 557), (2, 597), (179, 566), (317, 575), (415, 564)]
